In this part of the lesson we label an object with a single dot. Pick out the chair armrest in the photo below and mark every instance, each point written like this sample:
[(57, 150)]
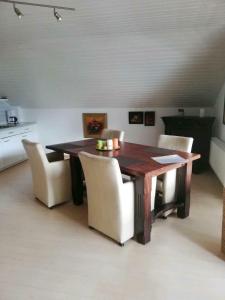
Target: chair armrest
[(159, 185), (59, 179), (128, 190), (57, 168), (167, 186), (127, 206)]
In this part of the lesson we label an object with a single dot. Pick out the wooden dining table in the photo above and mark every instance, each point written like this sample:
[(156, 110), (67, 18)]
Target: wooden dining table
[(136, 161)]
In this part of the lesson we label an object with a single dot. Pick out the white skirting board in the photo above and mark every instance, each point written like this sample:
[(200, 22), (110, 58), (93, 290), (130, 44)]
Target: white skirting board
[(217, 158)]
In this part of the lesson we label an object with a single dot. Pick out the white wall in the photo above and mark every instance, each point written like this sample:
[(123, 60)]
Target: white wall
[(219, 108), (217, 158), (59, 125)]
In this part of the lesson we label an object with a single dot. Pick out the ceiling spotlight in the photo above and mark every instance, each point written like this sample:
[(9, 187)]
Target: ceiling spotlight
[(17, 11), (57, 15)]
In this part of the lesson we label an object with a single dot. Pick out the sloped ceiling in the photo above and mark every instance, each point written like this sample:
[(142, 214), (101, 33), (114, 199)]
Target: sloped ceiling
[(129, 53)]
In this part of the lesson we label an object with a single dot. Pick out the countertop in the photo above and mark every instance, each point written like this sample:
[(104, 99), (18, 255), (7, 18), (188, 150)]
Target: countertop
[(19, 125)]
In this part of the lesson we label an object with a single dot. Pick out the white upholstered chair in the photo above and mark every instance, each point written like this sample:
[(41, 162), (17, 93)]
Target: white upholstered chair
[(112, 133), (166, 183), (51, 180), (110, 201)]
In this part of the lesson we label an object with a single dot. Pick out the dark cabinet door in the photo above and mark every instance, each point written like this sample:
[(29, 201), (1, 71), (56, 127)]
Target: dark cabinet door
[(198, 128)]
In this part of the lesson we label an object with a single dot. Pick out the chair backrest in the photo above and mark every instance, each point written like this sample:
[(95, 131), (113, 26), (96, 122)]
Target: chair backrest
[(112, 133), (39, 166), (104, 182), (173, 142)]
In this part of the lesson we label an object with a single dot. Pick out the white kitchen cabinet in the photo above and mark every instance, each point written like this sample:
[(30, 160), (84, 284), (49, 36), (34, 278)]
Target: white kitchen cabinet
[(10, 151), (29, 133), (11, 148), (1, 154)]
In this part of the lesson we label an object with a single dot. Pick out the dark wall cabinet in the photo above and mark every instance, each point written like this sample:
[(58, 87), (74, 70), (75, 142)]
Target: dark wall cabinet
[(198, 128)]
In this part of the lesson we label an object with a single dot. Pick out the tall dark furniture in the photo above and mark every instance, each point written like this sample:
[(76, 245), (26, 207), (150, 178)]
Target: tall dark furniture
[(200, 128)]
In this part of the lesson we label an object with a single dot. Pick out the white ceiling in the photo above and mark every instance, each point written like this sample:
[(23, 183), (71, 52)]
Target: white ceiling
[(129, 53)]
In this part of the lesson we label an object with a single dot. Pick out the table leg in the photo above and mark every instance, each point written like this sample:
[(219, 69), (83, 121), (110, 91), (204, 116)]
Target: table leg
[(183, 190), (76, 180), (142, 219)]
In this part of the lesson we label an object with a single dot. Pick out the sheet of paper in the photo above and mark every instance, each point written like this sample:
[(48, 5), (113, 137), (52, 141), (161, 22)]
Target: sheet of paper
[(169, 159)]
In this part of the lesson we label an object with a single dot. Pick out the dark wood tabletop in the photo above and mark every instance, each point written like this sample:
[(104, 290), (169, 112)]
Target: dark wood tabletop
[(134, 159)]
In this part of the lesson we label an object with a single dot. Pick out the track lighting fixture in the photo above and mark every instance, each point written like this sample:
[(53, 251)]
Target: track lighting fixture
[(57, 15), (54, 7), (17, 11)]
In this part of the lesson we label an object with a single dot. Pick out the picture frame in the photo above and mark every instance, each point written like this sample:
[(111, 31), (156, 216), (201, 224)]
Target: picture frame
[(149, 118), (136, 117), (93, 124)]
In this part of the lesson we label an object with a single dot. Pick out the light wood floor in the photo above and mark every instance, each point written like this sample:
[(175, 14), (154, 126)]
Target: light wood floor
[(51, 254)]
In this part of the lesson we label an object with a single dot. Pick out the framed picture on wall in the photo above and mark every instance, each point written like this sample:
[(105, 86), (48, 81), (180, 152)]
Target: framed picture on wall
[(136, 117), (149, 118), (93, 124)]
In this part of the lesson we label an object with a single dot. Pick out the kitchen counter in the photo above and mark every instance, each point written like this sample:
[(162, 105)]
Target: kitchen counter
[(11, 147), (14, 126)]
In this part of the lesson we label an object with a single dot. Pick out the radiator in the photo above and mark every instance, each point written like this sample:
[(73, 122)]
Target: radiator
[(217, 158)]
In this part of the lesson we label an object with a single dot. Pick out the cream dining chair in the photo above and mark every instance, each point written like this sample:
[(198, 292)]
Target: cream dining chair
[(110, 201), (166, 183), (51, 180), (112, 133)]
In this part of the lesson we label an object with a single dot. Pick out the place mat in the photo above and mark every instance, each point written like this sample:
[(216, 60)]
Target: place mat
[(169, 159)]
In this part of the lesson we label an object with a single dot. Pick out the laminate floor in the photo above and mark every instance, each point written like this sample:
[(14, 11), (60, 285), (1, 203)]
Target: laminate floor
[(51, 254)]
